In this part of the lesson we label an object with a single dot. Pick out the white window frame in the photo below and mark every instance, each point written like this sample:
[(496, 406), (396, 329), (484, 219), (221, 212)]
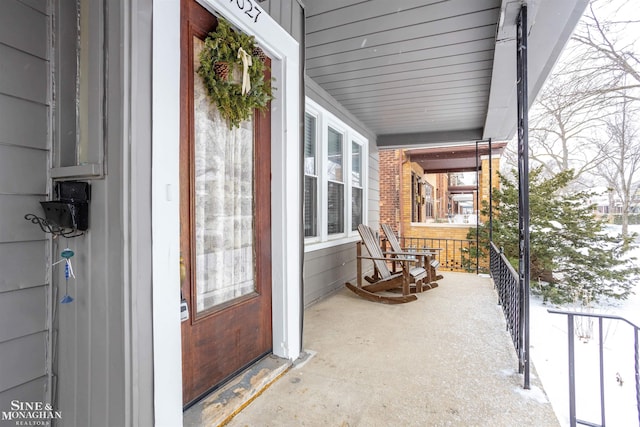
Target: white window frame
[(363, 184), (324, 120)]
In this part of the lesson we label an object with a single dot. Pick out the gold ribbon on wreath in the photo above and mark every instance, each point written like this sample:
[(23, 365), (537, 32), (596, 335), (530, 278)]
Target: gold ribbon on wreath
[(246, 63)]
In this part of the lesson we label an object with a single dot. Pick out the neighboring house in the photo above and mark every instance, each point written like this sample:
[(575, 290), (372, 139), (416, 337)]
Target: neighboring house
[(431, 195), (609, 204), (104, 92)]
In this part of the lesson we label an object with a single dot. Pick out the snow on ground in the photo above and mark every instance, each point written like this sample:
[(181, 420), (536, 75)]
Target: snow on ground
[(549, 354)]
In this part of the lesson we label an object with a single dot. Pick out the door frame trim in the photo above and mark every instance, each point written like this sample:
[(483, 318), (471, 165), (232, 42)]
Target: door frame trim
[(285, 190)]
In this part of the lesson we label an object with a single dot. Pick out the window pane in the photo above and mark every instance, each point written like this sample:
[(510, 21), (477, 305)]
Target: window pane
[(417, 199), (428, 200), (356, 164), (310, 206), (356, 208), (335, 210), (309, 144), (334, 164)]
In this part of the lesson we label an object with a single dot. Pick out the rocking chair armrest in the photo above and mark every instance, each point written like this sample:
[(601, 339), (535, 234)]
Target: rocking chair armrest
[(421, 253), (373, 258), (386, 259)]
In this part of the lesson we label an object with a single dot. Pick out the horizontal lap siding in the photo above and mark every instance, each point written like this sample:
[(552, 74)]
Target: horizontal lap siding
[(19, 162), (21, 313), (24, 142), (24, 393), (15, 130), (22, 274), (23, 76), (23, 360), (326, 270), (14, 227)]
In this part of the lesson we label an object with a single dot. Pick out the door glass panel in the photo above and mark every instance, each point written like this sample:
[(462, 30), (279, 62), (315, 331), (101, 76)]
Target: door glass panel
[(223, 208)]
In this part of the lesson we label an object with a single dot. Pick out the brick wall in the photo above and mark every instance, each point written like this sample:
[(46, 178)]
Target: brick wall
[(390, 161), (484, 179), (451, 239)]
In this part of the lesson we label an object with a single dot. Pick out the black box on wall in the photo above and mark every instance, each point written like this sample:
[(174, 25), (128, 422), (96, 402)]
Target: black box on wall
[(71, 209)]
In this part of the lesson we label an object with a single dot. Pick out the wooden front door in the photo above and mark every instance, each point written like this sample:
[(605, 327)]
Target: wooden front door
[(225, 227)]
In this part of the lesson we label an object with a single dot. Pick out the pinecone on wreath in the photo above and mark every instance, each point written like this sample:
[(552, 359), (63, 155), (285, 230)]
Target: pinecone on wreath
[(259, 53), (222, 70)]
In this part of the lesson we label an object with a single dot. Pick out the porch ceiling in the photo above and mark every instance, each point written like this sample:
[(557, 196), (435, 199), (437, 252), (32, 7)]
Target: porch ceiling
[(420, 72), (459, 158)]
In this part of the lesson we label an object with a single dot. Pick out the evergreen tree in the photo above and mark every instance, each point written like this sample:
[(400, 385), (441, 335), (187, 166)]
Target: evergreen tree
[(572, 257)]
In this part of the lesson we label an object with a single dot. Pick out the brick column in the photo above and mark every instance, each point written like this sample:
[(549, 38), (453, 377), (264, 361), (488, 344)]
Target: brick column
[(484, 178), (390, 187)]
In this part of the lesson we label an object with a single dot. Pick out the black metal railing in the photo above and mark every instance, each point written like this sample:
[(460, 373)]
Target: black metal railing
[(571, 315), (453, 254), (510, 297)]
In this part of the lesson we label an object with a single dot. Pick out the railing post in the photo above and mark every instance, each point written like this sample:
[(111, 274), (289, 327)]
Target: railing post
[(523, 185), (490, 194), (477, 210), (572, 372), (637, 368), (502, 278), (601, 346), (573, 420)]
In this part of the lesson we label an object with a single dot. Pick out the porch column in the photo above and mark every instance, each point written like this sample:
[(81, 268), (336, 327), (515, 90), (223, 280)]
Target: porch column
[(478, 185), (523, 190), (490, 196)]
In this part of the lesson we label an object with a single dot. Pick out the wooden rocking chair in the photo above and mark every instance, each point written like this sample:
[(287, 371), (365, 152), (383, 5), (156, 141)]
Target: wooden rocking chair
[(429, 263), (383, 279)]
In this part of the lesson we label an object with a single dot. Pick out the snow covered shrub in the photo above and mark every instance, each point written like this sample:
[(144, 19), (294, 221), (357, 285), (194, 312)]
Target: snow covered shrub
[(572, 258)]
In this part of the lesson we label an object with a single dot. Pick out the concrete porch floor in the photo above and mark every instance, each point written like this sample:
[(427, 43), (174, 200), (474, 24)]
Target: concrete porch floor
[(444, 360)]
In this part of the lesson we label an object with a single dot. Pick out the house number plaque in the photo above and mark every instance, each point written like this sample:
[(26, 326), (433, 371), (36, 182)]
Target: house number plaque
[(251, 10)]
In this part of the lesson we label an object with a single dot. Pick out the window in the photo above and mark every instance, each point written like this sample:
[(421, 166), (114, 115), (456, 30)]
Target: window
[(428, 197), (417, 199), (334, 179)]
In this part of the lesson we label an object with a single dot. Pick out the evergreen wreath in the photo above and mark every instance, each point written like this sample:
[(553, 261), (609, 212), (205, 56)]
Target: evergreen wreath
[(217, 60)]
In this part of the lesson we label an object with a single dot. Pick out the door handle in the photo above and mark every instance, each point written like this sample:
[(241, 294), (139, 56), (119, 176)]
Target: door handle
[(183, 271), (184, 306)]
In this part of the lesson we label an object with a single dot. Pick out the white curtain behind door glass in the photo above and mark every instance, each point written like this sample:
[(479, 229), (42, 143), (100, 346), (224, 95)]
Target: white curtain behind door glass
[(223, 169)]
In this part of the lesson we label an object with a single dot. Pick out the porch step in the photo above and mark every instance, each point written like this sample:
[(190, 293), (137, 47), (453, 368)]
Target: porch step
[(220, 406)]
